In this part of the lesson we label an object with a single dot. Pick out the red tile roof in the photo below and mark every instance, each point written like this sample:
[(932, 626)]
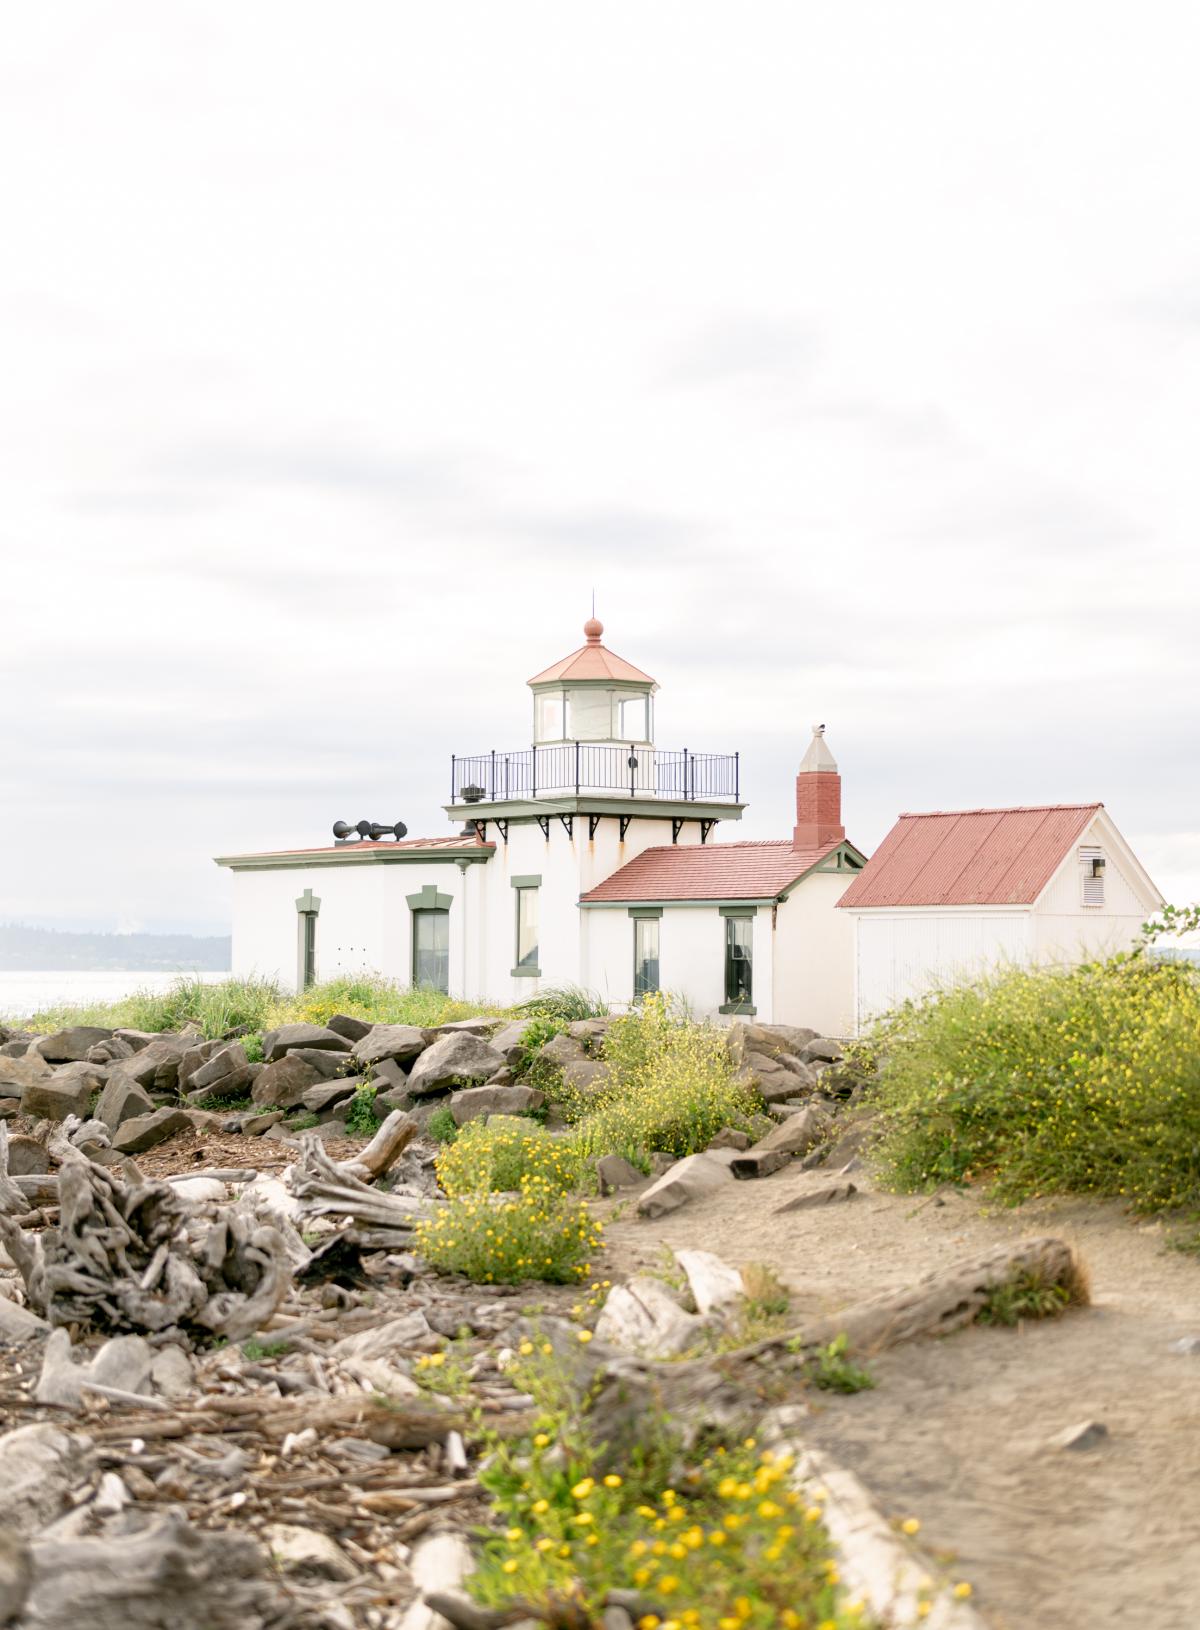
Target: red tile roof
[(708, 871), (970, 857), (363, 845)]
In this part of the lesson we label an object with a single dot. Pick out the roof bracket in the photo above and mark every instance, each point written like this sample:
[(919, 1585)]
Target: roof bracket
[(676, 827), (593, 823), (544, 822), (502, 828), (705, 828), (568, 822), (624, 820), (480, 830)]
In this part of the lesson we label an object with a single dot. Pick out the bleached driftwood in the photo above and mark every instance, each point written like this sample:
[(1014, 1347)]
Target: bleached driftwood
[(392, 1138), (136, 1257), (327, 1187)]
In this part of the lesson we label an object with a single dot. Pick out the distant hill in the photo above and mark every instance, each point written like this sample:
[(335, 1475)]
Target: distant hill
[(52, 949)]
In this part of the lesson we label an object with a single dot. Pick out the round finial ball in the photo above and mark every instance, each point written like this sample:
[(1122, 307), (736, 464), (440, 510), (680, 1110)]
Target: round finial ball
[(593, 628)]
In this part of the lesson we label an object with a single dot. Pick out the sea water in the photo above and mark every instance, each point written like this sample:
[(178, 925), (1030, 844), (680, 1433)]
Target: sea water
[(25, 991)]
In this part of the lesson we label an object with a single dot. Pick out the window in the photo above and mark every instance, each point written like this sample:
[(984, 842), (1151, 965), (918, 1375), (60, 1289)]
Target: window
[(739, 962), (1091, 863), (631, 716), (550, 722), (527, 928), (431, 950), (645, 956), (308, 949)]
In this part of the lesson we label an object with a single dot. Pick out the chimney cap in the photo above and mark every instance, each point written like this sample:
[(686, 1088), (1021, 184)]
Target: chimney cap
[(818, 756)]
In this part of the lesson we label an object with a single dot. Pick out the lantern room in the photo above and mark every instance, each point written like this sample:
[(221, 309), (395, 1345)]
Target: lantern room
[(593, 696)]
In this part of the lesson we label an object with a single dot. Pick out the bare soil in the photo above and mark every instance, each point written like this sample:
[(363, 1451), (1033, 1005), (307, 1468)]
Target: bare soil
[(956, 1432)]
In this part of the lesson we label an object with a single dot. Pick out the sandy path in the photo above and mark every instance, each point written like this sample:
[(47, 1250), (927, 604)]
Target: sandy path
[(955, 1432)]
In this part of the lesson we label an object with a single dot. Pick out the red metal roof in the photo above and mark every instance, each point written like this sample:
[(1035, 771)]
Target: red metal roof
[(593, 661), (708, 871), (457, 842), (970, 857)]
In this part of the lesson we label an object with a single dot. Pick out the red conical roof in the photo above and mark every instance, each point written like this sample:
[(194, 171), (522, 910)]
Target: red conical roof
[(593, 661)]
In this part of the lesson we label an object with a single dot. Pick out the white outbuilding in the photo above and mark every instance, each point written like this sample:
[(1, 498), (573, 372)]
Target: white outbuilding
[(950, 895)]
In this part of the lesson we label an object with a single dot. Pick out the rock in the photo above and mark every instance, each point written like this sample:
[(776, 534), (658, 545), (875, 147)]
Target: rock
[(643, 1317), (795, 1136), (156, 1065), (304, 1553), (401, 1042), (389, 1073), (454, 1060), (687, 1179), (122, 1362), (591, 1032), (438, 1565), (55, 1099), (226, 1074), (479, 1026), (18, 1324), (200, 1190), (1086, 1435), (16, 1048), (828, 1194), (137, 1039), (255, 1125), (473, 1102), (730, 1138), (18, 1073), (1189, 1346), (825, 1049), (328, 1065), (509, 1041), (660, 1163), (16, 1576), (27, 1157), (172, 1373), (773, 1039), (777, 1078), (120, 1101), (9, 1107), (282, 1084), (615, 1172), (343, 1024), (504, 1077), (109, 1052), (144, 1132), (192, 1059), (39, 1467), (70, 1046), (585, 1074), (715, 1286), (277, 1043), (325, 1094), (561, 1051), (409, 1330)]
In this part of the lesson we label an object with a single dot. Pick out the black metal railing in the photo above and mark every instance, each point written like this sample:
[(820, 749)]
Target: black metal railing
[(580, 766)]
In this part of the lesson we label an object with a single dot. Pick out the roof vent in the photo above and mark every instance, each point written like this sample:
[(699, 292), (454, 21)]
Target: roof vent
[(367, 831)]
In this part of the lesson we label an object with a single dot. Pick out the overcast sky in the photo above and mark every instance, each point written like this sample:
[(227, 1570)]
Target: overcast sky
[(850, 353)]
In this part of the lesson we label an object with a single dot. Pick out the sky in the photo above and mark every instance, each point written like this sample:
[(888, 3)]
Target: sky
[(849, 354)]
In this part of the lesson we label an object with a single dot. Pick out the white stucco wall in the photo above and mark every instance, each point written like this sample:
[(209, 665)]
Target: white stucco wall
[(899, 954), (814, 957), (1065, 930), (691, 956)]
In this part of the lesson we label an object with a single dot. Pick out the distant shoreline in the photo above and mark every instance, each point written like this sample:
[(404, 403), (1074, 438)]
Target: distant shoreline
[(34, 951)]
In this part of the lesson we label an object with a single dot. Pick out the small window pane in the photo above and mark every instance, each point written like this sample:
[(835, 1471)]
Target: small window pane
[(550, 716), (645, 956), (527, 928), (739, 956), (431, 950), (633, 719)]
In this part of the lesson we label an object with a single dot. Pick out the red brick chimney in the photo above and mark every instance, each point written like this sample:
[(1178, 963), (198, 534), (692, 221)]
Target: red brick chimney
[(818, 797)]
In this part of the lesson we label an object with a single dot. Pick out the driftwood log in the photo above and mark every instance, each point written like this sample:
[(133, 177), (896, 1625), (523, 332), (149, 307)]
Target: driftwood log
[(327, 1187), (137, 1256), (727, 1393)]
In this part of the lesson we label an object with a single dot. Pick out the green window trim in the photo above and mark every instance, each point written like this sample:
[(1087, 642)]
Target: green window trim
[(738, 1007), (526, 973), (645, 911), (429, 900), (532, 881), (738, 911)]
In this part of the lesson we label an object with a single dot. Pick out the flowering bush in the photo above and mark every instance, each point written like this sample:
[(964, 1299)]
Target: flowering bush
[(495, 1155), (729, 1545), (1070, 1080), (504, 1239), (670, 1087)]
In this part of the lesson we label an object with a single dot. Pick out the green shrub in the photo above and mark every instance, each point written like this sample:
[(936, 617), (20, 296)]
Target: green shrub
[(362, 1118), (496, 1155), (441, 1126), (505, 1239), (540, 1029), (670, 1088), (564, 1002), (1040, 1080), (1030, 1295)]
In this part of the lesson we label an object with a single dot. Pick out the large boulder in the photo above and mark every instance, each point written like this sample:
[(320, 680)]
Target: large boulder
[(510, 1040), (282, 1085), (278, 1042), (585, 1074), (40, 1467), (643, 1317), (686, 1180), (156, 1065), (823, 1050), (191, 1061), (18, 1073), (326, 1094), (795, 1136), (70, 1046), (473, 1102), (344, 1024), (327, 1064), (120, 1101), (400, 1042), (479, 1026), (561, 1051), (67, 1092), (774, 1079), (590, 1032), (225, 1075), (144, 1132), (454, 1060)]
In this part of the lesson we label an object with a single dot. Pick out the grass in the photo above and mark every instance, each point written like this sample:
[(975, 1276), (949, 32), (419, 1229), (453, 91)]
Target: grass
[(537, 1233), (1047, 1080), (441, 1126), (1031, 1295), (566, 1003), (831, 1371), (717, 1540), (362, 1119)]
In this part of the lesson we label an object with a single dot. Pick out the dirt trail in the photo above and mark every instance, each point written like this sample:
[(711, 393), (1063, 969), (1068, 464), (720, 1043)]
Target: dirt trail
[(955, 1433)]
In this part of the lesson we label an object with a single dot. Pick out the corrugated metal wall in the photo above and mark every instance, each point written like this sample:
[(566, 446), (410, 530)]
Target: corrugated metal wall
[(904, 955)]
